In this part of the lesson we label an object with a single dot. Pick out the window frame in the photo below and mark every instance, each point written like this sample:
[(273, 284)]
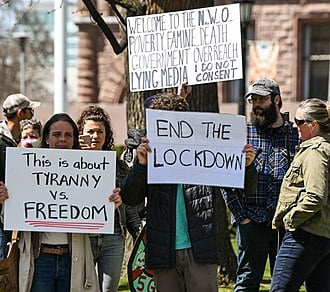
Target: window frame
[(303, 72)]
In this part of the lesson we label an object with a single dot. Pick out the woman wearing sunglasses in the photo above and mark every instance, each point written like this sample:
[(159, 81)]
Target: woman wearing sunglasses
[(303, 208)]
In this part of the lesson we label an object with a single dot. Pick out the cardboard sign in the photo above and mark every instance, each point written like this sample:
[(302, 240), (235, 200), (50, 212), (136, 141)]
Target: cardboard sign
[(59, 190), (196, 148), (140, 279), (199, 46)]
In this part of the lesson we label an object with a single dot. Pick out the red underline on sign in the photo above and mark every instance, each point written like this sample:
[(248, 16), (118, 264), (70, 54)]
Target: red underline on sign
[(72, 225)]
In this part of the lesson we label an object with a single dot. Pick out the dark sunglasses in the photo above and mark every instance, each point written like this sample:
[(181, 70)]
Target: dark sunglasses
[(299, 122), (31, 110)]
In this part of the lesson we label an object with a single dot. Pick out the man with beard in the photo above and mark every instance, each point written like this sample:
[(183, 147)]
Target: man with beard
[(274, 140)]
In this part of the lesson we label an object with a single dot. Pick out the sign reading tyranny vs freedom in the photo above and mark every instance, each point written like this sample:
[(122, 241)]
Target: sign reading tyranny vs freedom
[(196, 148), (199, 46), (59, 190)]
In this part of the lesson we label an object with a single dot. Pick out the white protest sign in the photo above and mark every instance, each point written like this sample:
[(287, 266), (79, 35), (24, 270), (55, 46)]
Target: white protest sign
[(199, 46), (196, 148), (59, 190)]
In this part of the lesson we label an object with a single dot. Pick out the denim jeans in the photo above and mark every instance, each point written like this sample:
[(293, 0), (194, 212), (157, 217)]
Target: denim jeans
[(3, 244), (52, 273), (108, 252), (303, 256), (255, 242)]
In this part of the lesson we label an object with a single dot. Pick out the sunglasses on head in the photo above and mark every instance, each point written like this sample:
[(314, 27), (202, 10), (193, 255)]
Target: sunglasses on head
[(299, 122)]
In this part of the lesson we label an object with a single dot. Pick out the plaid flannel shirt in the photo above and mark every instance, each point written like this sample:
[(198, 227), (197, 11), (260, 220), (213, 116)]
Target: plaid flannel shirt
[(271, 163)]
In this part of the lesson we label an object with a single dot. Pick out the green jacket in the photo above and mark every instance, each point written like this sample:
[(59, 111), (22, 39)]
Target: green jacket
[(304, 200)]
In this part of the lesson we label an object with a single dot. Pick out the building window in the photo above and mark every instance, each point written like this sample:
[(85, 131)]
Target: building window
[(316, 61)]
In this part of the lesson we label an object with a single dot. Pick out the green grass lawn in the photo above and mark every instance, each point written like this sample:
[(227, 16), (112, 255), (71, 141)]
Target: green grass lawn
[(123, 285)]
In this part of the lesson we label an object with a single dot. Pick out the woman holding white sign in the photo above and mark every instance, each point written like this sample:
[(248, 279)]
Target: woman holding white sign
[(56, 261), (108, 249)]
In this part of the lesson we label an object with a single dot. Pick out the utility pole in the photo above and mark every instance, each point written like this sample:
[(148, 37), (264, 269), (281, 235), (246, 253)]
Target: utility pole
[(21, 37)]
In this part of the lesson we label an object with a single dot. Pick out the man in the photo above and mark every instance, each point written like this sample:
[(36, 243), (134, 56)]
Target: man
[(16, 107), (182, 221), (274, 139)]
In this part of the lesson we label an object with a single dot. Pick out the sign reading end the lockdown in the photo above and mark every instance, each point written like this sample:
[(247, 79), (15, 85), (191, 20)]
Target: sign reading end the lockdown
[(199, 46), (59, 190), (196, 148)]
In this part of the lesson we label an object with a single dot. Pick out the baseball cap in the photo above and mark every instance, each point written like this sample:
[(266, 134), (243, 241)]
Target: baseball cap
[(264, 87), (17, 101)]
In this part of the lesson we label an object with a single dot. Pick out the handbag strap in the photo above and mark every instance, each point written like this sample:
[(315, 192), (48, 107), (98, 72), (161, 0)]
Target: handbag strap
[(14, 235), (14, 241)]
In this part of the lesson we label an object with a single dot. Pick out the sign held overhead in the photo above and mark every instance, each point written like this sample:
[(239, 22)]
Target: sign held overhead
[(198, 46)]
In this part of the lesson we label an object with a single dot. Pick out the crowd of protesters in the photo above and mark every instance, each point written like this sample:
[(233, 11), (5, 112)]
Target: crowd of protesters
[(283, 212)]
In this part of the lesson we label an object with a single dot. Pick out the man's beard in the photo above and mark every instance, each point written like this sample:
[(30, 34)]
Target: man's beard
[(265, 118)]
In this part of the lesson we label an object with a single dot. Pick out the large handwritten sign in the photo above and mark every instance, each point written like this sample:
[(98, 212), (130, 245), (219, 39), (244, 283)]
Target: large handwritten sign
[(198, 46), (196, 148), (59, 190)]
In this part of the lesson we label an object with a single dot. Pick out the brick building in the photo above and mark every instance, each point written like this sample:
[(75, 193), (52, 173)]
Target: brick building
[(299, 33), (288, 40)]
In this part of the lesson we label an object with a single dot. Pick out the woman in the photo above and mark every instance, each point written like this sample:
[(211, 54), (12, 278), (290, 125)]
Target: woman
[(55, 261), (30, 133), (108, 249), (303, 208)]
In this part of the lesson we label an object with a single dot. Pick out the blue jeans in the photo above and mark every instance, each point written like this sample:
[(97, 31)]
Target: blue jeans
[(256, 242), (52, 273), (108, 252), (3, 244), (303, 256)]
